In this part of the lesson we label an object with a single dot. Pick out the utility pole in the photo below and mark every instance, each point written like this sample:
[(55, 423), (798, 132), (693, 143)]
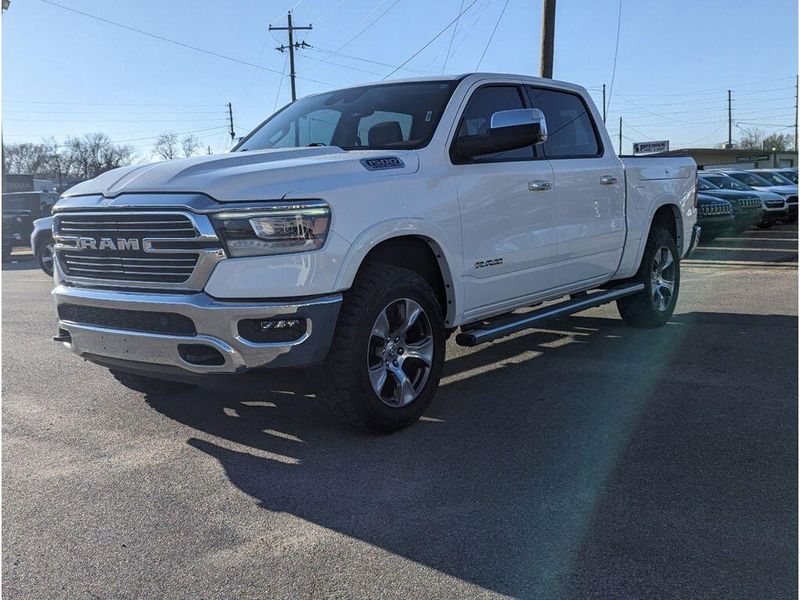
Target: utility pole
[(548, 37), (291, 47), (230, 120), (604, 103), (730, 122), (620, 136), (795, 114)]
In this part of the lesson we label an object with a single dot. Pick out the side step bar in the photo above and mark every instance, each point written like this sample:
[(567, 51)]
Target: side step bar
[(473, 337)]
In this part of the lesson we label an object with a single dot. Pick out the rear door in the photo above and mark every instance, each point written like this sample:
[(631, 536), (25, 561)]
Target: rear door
[(589, 188)]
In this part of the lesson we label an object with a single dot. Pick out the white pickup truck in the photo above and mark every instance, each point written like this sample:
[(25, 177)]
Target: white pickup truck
[(353, 231)]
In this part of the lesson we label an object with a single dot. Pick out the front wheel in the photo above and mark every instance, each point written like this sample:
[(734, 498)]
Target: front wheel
[(387, 355), (661, 275)]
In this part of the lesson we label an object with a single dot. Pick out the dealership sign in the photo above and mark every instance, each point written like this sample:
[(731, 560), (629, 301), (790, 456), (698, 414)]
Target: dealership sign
[(754, 158), (650, 147)]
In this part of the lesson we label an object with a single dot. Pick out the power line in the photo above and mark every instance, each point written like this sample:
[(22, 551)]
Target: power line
[(329, 11), (433, 39), (715, 90), (97, 103), (175, 42), (280, 84), (176, 132), (616, 52), (360, 32), (365, 60), (452, 37), (491, 37)]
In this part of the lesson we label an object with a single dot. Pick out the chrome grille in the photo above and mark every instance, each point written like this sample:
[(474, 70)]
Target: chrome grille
[(136, 249), (173, 268), (100, 226)]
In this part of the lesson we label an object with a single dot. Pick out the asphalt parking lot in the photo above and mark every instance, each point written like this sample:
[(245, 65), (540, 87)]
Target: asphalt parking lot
[(582, 460)]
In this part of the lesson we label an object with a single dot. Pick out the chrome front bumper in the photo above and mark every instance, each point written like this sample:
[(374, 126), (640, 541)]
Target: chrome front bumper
[(216, 324)]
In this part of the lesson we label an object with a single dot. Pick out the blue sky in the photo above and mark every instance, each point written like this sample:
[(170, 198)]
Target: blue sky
[(66, 74)]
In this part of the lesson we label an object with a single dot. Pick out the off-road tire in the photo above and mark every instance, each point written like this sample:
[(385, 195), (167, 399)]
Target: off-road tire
[(347, 390), (640, 310), (149, 385)]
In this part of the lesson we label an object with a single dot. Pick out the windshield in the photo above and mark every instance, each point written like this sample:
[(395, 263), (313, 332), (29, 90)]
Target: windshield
[(725, 182), (774, 178), (790, 175), (401, 116), (751, 180), (704, 185)]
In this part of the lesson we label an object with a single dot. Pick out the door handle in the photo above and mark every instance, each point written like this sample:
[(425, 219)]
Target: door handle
[(539, 186), (608, 180)]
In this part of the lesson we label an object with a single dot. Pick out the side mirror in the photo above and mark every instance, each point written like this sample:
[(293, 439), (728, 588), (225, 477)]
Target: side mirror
[(508, 130)]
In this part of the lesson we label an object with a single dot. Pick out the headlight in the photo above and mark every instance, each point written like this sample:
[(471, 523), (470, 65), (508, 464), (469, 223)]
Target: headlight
[(278, 231)]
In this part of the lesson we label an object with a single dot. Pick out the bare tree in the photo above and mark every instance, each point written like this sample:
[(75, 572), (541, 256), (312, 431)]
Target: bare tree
[(751, 139), (79, 156), (166, 146), (25, 157), (94, 153), (779, 142), (190, 145)]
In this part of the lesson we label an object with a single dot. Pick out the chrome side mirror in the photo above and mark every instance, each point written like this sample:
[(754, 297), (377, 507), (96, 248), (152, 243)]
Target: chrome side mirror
[(529, 124)]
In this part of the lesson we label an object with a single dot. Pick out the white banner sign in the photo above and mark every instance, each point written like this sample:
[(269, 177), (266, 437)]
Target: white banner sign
[(650, 147)]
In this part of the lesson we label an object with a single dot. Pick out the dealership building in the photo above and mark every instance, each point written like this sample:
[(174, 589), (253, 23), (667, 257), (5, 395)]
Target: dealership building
[(715, 158)]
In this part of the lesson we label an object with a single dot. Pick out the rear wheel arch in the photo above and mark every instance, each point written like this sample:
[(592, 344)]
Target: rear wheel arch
[(669, 217)]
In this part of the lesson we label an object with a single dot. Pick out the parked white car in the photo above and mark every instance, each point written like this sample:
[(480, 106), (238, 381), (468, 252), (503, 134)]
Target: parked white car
[(356, 229), (756, 181)]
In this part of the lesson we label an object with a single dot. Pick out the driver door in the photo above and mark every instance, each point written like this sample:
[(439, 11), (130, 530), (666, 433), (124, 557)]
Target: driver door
[(507, 205)]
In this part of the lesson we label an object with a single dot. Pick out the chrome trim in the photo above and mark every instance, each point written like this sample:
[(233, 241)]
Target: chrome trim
[(196, 203), (473, 337), (518, 117), (539, 186), (216, 322), (207, 258)]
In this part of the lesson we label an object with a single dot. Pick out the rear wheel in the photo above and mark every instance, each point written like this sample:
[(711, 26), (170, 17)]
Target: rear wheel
[(386, 359), (150, 385), (660, 273)]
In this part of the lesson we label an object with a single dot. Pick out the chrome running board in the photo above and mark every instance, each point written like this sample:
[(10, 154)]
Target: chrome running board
[(480, 335)]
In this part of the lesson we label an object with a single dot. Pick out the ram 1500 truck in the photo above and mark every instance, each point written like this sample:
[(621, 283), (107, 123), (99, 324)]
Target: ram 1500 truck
[(355, 230)]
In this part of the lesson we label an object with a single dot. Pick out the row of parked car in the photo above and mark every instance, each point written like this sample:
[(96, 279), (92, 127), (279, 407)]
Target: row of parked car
[(731, 201)]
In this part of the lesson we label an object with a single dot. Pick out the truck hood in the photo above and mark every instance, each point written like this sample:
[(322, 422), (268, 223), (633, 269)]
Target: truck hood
[(252, 175)]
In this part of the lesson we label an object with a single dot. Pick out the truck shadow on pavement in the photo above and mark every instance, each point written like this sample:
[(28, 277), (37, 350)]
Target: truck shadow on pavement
[(586, 459)]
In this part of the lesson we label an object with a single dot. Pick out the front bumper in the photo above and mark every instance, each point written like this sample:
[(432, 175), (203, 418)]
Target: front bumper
[(774, 215), (215, 323)]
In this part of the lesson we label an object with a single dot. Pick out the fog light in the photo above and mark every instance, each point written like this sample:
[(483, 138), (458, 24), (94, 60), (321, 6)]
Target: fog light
[(265, 331)]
